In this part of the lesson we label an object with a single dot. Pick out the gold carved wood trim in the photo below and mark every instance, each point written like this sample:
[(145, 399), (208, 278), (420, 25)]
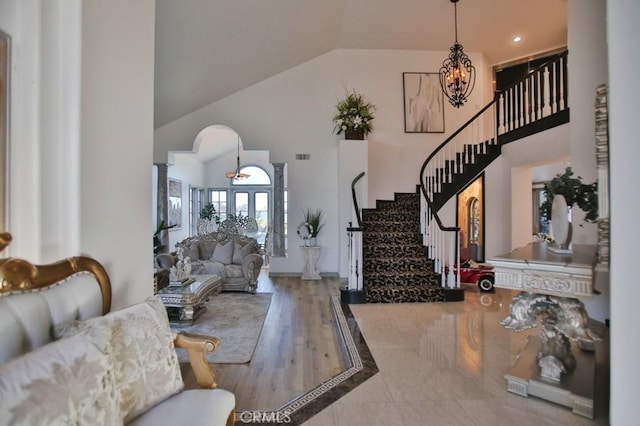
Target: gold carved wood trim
[(19, 275)]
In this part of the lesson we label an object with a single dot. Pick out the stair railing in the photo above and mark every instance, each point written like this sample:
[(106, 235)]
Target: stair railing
[(450, 158), (355, 241), (541, 94)]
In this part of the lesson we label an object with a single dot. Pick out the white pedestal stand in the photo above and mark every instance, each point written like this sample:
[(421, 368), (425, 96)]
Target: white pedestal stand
[(311, 254)]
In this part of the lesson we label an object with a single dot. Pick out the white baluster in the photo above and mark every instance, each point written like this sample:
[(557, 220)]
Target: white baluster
[(450, 276), (547, 93)]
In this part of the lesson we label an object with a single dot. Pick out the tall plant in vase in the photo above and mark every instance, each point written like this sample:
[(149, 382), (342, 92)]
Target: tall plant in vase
[(314, 219)]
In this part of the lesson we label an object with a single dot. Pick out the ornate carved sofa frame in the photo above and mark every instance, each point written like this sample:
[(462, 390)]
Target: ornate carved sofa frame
[(238, 266), (36, 299)]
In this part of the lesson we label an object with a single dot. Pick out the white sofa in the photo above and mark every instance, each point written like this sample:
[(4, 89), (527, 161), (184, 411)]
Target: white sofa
[(106, 368)]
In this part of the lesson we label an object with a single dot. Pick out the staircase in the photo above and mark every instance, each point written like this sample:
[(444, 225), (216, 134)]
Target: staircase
[(405, 247), (395, 264)]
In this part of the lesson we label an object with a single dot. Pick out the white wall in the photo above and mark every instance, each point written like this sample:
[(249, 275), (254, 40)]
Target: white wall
[(116, 143), (81, 135), (291, 113), (521, 207), (587, 69), (625, 227), (20, 19)]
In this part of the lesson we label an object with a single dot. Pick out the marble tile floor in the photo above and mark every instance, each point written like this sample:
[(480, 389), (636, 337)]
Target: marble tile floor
[(444, 364)]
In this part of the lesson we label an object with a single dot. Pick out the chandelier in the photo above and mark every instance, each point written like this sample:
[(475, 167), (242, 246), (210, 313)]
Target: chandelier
[(236, 175), (457, 74)]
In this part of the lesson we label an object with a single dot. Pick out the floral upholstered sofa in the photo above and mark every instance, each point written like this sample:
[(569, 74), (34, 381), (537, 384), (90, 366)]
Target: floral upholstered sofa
[(66, 359), (234, 258)]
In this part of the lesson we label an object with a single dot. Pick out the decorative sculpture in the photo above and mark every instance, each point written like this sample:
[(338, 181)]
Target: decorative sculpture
[(182, 269), (555, 357)]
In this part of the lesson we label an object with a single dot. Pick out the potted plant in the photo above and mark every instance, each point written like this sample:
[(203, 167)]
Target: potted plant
[(208, 219), (574, 192), (208, 212), (565, 190), (354, 116), (314, 220), (158, 247)]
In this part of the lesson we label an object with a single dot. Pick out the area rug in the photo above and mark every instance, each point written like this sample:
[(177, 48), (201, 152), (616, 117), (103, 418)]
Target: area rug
[(236, 319)]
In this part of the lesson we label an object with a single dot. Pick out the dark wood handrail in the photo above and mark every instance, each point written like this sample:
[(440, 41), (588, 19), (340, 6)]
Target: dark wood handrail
[(554, 58), (355, 199), (423, 187)]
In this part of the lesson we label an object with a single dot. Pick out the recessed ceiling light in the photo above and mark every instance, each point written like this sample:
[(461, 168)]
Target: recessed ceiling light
[(517, 39)]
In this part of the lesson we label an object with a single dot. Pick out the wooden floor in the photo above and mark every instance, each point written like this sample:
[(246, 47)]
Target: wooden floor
[(297, 350)]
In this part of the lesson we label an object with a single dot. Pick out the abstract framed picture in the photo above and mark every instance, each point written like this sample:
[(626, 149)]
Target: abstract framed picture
[(175, 204), (423, 103)]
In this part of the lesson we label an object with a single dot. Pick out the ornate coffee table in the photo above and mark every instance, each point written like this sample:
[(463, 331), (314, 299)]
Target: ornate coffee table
[(185, 303)]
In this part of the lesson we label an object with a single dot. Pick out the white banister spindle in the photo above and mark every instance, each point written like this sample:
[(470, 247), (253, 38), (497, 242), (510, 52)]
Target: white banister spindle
[(547, 93), (355, 260), (561, 103), (458, 259), (526, 105), (450, 276)]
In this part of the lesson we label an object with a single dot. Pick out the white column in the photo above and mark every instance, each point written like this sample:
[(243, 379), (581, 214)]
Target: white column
[(353, 159)]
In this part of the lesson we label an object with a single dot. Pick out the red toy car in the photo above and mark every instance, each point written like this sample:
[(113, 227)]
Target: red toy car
[(479, 273)]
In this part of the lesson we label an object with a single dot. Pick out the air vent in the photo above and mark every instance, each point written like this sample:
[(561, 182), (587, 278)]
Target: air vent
[(303, 156)]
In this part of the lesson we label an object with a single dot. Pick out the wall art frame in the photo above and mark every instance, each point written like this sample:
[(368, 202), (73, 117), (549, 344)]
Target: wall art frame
[(423, 102)]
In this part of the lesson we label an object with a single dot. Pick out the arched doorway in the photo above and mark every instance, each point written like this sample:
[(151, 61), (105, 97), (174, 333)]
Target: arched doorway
[(470, 220)]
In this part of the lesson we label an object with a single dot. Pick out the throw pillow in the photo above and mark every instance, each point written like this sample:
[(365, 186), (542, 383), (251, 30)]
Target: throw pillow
[(66, 382), (223, 252), (190, 250), (146, 365), (206, 248), (240, 251)]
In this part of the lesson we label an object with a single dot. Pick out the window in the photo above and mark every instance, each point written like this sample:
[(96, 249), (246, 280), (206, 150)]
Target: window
[(257, 176), (261, 211), (241, 202), (196, 202), (218, 197), (540, 220)]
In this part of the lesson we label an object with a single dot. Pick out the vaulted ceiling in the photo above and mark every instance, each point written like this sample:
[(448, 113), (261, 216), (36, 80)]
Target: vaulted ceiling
[(209, 49)]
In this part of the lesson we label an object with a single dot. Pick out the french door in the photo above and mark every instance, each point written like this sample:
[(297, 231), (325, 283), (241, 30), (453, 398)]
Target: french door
[(254, 203)]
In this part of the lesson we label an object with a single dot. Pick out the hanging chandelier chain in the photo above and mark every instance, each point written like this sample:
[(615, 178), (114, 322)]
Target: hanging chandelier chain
[(236, 175), (455, 19)]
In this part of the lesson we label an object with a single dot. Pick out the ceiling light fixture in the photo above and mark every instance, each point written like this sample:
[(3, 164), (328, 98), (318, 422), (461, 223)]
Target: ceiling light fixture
[(517, 39), (457, 74), (236, 175)]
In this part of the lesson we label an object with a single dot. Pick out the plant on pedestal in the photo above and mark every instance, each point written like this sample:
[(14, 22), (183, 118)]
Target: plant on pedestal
[(314, 219), (354, 116)]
